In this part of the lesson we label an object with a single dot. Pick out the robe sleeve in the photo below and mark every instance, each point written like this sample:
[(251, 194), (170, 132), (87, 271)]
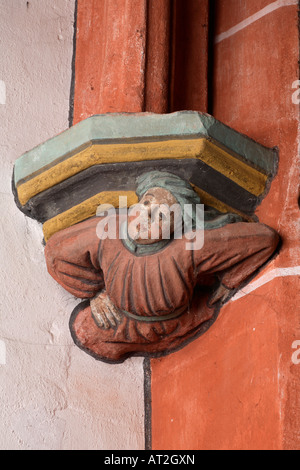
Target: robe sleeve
[(72, 259), (235, 252)]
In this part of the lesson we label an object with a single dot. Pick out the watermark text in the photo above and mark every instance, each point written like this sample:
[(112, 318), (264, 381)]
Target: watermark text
[(2, 353), (296, 94), (296, 354), (153, 223)]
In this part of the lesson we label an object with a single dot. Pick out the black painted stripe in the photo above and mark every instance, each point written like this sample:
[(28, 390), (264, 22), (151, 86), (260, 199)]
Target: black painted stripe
[(122, 177)]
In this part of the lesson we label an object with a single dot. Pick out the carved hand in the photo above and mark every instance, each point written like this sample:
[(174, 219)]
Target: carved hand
[(105, 314)]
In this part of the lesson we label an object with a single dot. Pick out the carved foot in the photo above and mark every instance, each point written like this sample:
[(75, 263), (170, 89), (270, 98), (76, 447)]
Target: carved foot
[(105, 314)]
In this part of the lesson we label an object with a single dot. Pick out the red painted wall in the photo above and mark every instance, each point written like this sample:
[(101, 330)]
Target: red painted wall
[(236, 387)]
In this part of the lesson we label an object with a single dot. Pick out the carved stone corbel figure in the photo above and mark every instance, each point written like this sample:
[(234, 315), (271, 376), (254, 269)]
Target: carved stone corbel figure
[(145, 290), (152, 296)]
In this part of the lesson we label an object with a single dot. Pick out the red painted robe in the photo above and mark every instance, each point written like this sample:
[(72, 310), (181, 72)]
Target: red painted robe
[(172, 280)]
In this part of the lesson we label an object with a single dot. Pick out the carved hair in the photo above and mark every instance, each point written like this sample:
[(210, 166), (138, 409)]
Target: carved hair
[(184, 194), (180, 189)]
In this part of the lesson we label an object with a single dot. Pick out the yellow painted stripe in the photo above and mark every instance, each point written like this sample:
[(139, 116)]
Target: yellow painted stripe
[(231, 167), (234, 169), (88, 209), (111, 153), (85, 210)]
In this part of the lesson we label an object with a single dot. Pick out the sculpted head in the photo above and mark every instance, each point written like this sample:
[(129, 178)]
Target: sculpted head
[(162, 197)]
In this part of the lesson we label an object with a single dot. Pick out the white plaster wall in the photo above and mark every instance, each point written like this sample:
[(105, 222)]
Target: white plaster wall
[(52, 395)]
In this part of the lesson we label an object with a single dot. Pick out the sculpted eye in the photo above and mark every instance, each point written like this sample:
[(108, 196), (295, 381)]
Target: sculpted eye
[(146, 203)]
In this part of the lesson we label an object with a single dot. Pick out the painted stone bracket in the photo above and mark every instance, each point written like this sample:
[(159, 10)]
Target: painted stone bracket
[(143, 296)]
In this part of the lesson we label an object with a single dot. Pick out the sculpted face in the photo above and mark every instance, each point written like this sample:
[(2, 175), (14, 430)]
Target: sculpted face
[(151, 219)]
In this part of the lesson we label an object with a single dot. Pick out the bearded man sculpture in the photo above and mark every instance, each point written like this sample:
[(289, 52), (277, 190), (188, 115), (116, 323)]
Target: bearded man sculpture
[(146, 295)]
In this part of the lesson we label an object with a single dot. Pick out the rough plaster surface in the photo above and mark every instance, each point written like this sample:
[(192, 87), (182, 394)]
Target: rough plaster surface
[(53, 396)]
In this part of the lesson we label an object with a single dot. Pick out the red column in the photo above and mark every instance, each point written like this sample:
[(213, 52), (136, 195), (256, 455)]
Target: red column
[(140, 55), (110, 57), (158, 56), (189, 68)]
